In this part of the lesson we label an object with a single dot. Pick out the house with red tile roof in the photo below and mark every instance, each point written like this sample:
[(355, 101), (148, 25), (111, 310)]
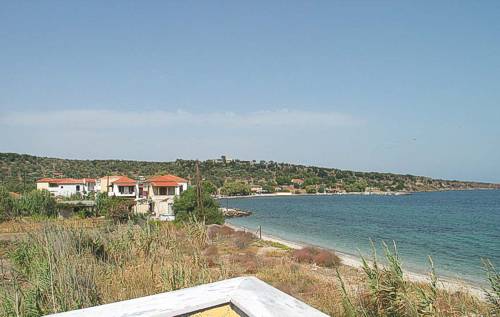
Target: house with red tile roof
[(66, 187), (298, 181), (155, 194), (119, 186), (161, 190)]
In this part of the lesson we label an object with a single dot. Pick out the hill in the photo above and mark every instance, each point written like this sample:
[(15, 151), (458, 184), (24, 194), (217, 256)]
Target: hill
[(19, 172)]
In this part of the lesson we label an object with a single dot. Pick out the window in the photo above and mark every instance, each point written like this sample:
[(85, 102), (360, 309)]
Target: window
[(77, 188), (162, 190)]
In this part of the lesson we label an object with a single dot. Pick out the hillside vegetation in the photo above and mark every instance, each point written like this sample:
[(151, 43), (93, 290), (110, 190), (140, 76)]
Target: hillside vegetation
[(18, 172)]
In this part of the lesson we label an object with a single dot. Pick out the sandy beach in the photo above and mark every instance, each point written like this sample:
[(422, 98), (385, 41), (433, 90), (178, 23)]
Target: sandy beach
[(450, 285)]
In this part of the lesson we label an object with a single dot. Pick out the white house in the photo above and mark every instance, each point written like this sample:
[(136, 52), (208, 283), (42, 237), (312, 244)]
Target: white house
[(66, 186), (161, 190), (119, 186)]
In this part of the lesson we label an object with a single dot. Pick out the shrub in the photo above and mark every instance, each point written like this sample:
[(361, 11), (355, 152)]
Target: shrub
[(7, 204), (305, 255), (36, 202), (186, 208), (119, 210), (102, 202), (326, 259), (215, 231), (320, 257), (235, 189)]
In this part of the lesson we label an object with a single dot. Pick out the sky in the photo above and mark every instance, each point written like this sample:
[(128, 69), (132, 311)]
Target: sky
[(407, 87)]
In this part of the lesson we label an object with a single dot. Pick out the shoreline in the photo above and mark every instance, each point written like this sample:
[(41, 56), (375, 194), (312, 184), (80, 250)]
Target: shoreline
[(444, 283), (401, 193)]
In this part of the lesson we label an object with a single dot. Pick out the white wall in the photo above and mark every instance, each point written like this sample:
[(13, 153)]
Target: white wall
[(66, 190), (115, 191)]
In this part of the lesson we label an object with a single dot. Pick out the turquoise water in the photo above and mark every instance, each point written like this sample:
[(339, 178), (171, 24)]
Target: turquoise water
[(456, 228)]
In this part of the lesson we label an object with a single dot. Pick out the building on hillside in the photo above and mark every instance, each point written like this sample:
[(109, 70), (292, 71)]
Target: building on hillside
[(123, 187), (103, 184), (216, 161), (119, 186), (66, 187), (298, 181), (155, 195), (226, 159), (161, 191), (256, 189)]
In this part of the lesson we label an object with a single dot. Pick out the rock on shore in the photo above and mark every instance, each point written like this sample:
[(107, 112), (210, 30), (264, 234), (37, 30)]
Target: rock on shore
[(234, 212)]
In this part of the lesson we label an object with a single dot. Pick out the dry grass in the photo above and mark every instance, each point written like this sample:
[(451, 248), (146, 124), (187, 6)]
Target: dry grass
[(61, 266), (218, 231), (28, 224), (243, 239)]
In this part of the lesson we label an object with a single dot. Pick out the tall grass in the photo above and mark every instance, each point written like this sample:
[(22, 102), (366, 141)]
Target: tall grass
[(61, 268), (492, 295), (388, 293)]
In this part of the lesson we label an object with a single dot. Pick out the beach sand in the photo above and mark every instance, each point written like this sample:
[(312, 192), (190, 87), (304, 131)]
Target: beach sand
[(447, 284)]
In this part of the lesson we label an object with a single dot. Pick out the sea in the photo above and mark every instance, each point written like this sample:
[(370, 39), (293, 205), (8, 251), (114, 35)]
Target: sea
[(458, 229)]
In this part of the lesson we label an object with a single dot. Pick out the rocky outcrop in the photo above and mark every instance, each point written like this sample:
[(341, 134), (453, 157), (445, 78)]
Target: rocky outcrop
[(235, 212)]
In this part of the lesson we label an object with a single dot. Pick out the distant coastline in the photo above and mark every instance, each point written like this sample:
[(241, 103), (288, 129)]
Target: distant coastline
[(401, 193), (228, 176)]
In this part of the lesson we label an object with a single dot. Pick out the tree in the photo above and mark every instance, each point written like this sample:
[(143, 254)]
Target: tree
[(357, 186), (208, 187), (321, 189), (283, 180), (36, 202), (7, 204), (311, 189), (116, 208), (119, 209), (268, 188), (186, 208), (311, 181), (235, 189)]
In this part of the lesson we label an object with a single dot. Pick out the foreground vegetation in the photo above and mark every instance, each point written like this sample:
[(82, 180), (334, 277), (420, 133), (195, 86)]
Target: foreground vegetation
[(55, 266), (19, 172)]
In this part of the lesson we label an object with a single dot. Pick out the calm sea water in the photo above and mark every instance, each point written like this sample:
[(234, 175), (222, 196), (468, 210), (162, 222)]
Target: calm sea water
[(456, 228)]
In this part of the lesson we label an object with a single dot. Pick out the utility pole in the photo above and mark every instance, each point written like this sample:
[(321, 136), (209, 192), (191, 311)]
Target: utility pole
[(24, 182), (199, 191)]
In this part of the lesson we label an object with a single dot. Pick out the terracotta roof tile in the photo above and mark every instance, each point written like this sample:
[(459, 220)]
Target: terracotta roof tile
[(124, 180), (66, 180), (163, 184), (167, 178)]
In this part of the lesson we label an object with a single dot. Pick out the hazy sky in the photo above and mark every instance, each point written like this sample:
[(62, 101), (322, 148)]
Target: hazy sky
[(396, 86)]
